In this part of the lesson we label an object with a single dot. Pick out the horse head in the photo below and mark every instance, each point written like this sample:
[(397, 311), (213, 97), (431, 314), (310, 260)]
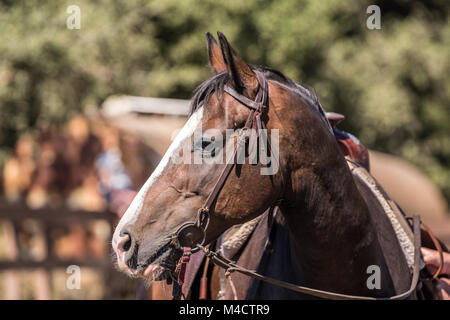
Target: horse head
[(198, 163)]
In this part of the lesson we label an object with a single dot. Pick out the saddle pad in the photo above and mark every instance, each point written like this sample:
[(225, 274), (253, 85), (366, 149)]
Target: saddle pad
[(398, 221), (236, 237)]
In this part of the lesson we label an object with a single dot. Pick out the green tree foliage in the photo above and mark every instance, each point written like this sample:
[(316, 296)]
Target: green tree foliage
[(392, 84)]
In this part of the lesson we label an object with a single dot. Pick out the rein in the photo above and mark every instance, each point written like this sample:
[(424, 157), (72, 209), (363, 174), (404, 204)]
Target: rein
[(230, 267), (186, 234)]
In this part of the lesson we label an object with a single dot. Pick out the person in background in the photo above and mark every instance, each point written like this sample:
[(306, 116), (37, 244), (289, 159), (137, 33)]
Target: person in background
[(431, 258)]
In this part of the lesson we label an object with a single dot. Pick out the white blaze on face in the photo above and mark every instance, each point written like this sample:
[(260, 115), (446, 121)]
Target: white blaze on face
[(135, 207)]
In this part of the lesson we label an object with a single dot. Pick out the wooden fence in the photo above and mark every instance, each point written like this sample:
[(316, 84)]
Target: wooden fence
[(12, 216)]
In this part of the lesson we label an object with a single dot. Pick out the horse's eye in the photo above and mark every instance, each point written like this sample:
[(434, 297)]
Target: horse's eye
[(205, 144), (208, 146), (202, 145)]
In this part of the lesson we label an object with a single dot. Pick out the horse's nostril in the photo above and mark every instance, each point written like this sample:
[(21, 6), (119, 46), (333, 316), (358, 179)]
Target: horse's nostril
[(127, 244), (125, 241), (127, 249)]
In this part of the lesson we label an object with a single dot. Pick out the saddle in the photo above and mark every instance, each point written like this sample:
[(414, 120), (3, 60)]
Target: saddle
[(350, 145)]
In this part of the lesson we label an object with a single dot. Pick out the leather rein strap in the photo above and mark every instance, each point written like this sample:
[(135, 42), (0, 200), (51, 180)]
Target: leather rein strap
[(230, 267), (258, 109)]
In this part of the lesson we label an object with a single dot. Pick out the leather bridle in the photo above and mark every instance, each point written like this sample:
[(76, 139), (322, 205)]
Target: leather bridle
[(189, 231)]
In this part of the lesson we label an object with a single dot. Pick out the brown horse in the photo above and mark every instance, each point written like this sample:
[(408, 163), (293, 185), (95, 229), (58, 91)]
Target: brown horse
[(336, 233)]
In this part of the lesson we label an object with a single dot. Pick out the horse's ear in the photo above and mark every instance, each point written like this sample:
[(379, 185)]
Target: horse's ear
[(244, 79), (215, 56)]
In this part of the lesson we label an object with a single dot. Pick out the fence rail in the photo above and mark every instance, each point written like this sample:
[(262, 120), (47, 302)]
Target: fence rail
[(49, 218)]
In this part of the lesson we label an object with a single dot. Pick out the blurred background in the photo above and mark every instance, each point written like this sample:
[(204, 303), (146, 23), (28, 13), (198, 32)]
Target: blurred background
[(76, 139)]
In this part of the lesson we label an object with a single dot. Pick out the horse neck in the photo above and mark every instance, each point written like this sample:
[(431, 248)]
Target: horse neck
[(330, 227)]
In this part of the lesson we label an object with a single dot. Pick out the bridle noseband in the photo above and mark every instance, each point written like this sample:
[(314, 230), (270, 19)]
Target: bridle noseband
[(187, 233)]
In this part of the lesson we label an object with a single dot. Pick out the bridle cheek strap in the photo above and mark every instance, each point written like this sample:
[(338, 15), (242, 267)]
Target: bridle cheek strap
[(258, 109)]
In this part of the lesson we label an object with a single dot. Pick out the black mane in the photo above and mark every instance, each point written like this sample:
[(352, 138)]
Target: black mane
[(218, 81)]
